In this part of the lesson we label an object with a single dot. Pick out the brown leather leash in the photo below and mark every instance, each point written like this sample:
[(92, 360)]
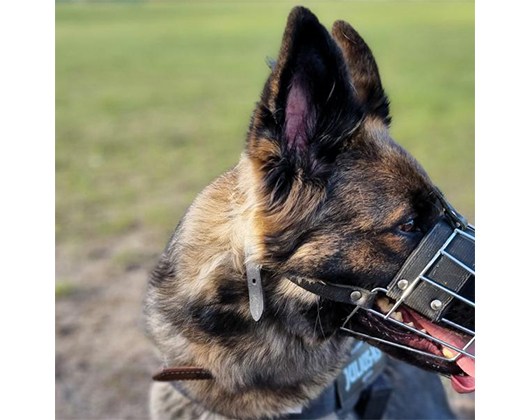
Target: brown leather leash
[(183, 373)]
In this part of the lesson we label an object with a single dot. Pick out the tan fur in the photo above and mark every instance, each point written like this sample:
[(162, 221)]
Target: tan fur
[(216, 230)]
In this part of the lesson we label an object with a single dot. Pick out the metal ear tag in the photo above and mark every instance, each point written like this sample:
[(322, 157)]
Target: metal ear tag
[(255, 290)]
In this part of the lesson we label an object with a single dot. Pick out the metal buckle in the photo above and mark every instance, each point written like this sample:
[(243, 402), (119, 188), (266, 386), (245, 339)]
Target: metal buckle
[(457, 220)]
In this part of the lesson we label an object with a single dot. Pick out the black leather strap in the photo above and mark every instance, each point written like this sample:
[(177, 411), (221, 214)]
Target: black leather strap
[(336, 292), (455, 219)]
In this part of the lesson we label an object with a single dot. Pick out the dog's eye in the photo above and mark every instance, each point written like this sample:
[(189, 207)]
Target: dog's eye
[(409, 226)]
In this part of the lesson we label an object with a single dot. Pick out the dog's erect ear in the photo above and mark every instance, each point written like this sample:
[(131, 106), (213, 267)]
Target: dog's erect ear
[(363, 70), (307, 108)]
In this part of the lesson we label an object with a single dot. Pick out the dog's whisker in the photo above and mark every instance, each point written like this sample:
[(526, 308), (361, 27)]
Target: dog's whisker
[(331, 91)]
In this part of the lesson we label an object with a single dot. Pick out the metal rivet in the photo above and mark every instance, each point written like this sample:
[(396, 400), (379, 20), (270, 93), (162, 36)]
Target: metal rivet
[(403, 284), (436, 305), (355, 296)]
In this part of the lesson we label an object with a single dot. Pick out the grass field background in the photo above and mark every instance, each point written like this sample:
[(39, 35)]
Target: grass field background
[(153, 102)]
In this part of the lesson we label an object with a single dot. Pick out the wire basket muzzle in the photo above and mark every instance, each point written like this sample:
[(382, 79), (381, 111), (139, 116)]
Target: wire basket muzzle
[(437, 281), (438, 278)]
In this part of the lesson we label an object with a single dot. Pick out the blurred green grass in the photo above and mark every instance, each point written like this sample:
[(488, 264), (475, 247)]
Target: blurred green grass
[(153, 100)]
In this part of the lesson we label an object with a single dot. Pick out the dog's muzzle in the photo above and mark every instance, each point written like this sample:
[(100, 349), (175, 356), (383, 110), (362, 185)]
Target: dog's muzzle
[(432, 297), (437, 281)]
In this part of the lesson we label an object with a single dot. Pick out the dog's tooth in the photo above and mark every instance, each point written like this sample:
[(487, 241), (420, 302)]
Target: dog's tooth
[(448, 353), (423, 330), (384, 304), (397, 316), (410, 324), (383, 301)]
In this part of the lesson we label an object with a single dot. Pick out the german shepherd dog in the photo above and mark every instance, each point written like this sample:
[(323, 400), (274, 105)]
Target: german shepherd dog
[(320, 191)]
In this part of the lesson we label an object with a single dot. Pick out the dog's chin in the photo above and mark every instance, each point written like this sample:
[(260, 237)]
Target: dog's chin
[(461, 371)]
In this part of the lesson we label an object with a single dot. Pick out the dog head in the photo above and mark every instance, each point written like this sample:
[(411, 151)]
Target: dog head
[(339, 200), (321, 192)]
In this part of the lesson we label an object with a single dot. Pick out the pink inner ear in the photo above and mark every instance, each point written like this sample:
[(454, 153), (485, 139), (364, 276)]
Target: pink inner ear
[(297, 116)]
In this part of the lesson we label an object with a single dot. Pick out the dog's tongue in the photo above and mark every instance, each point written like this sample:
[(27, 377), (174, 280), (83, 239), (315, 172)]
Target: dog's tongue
[(460, 384)]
